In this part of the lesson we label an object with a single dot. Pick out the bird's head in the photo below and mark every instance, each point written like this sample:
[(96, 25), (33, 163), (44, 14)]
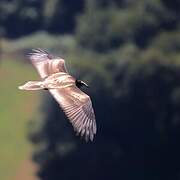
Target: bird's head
[(80, 83)]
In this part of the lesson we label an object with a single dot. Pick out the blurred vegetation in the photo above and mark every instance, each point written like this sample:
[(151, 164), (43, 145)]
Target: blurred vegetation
[(128, 51), (19, 18)]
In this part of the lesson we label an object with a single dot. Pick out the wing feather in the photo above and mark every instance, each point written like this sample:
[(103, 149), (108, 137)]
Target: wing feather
[(46, 64), (78, 107)]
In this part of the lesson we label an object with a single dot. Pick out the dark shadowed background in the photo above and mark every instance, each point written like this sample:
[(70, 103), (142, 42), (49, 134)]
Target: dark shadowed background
[(129, 53)]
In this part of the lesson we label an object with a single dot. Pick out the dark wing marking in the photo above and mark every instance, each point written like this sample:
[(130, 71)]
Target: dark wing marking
[(46, 64), (78, 108)]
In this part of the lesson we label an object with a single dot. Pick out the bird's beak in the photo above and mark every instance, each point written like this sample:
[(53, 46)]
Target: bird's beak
[(84, 83)]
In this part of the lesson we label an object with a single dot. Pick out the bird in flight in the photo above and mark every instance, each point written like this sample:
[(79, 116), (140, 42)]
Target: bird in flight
[(65, 89)]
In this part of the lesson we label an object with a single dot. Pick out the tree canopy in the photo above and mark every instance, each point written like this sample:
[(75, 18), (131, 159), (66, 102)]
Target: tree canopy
[(128, 51)]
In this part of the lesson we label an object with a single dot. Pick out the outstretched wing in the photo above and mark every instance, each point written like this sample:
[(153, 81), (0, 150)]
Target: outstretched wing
[(78, 108), (46, 64)]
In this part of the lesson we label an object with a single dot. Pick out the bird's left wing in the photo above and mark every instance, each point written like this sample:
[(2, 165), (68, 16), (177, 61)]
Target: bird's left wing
[(46, 64), (78, 107)]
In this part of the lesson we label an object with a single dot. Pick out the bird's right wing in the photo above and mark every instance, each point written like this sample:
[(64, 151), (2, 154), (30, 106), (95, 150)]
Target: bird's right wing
[(78, 107), (46, 64)]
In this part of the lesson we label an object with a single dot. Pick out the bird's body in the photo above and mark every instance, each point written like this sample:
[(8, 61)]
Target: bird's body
[(59, 81), (64, 88)]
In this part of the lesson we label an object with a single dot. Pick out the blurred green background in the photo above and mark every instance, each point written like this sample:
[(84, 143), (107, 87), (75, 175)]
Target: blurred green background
[(129, 53)]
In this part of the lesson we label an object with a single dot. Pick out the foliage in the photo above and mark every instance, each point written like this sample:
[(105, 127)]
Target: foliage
[(128, 51), (19, 18), (138, 123), (103, 29), (41, 40)]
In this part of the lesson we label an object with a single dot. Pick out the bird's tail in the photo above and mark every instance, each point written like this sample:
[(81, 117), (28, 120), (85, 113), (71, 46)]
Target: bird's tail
[(32, 85)]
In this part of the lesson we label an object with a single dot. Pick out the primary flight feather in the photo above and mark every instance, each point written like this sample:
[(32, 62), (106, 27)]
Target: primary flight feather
[(65, 89)]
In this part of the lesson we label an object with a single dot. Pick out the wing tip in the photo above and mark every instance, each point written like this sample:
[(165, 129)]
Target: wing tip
[(39, 54), (85, 134)]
